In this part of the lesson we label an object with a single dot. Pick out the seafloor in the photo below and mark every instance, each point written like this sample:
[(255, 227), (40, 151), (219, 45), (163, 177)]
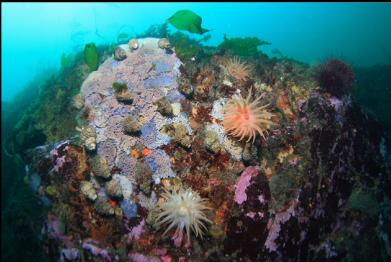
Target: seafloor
[(150, 120)]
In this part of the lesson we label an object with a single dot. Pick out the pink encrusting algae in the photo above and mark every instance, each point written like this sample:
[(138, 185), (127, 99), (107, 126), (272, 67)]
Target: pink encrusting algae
[(244, 182)]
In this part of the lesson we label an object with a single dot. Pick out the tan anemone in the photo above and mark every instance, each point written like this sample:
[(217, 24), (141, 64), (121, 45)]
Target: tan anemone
[(244, 118), (184, 210), (238, 69)]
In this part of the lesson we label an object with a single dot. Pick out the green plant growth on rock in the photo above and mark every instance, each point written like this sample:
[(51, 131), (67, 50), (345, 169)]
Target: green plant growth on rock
[(359, 247), (122, 38), (91, 57), (284, 187), (242, 46), (187, 20), (364, 202), (52, 117), (66, 61), (119, 87), (185, 47), (157, 31)]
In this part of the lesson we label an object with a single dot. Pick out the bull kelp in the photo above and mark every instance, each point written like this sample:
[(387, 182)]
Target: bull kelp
[(159, 147)]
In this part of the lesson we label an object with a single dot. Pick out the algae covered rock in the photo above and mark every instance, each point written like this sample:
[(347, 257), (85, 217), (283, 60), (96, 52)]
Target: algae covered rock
[(250, 153), (125, 97), (88, 137), (164, 106), (78, 102), (119, 54), (87, 189), (119, 87), (122, 93), (131, 126), (313, 179), (133, 44), (179, 133), (211, 141), (185, 87), (164, 43), (114, 189), (100, 166), (103, 207), (143, 177)]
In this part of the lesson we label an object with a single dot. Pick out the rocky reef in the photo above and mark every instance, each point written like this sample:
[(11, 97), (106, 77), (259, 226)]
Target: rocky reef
[(316, 187)]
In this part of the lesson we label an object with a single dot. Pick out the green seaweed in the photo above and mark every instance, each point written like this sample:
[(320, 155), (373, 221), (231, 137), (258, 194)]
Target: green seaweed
[(204, 39), (157, 31), (119, 87), (242, 46), (66, 61), (284, 187), (91, 56), (185, 47), (364, 202), (52, 117), (122, 38), (187, 20)]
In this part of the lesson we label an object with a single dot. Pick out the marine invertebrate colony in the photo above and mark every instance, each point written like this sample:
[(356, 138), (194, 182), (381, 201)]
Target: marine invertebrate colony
[(244, 118), (237, 69), (183, 209)]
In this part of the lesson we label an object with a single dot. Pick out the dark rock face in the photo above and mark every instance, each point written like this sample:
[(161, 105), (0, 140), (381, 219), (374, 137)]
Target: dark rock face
[(247, 231), (345, 155)]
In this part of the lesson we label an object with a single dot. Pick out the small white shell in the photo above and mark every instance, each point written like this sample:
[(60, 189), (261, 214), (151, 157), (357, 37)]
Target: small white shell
[(133, 44)]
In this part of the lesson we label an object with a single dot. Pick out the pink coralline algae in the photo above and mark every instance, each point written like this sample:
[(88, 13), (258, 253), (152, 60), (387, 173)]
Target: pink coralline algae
[(253, 214), (58, 146), (177, 238), (108, 149), (60, 161), (261, 199), (57, 154), (54, 227), (336, 103), (70, 253), (54, 230), (135, 233), (275, 226), (137, 257), (244, 182), (96, 251)]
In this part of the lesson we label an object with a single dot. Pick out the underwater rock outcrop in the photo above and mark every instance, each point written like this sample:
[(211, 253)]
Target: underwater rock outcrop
[(150, 74), (315, 185)]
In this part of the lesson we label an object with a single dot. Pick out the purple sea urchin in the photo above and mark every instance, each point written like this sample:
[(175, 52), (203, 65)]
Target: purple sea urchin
[(336, 77), (183, 209)]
